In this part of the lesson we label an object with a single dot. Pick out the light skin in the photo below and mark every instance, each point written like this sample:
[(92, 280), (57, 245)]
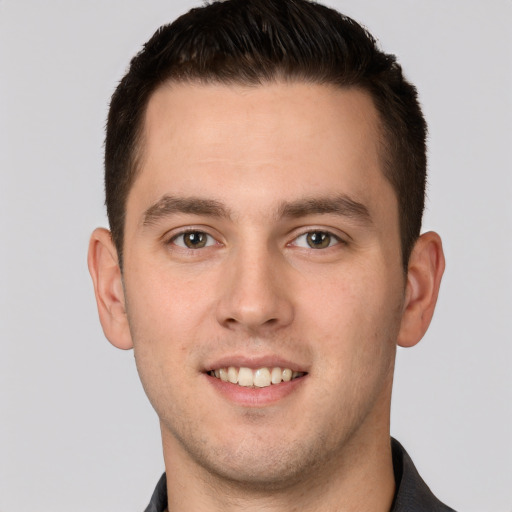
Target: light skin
[(292, 259)]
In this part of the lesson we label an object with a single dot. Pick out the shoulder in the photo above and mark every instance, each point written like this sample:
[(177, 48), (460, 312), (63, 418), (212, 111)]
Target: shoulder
[(412, 493), (158, 501)]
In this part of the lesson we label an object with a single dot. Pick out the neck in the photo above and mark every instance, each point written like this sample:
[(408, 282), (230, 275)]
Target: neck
[(359, 479)]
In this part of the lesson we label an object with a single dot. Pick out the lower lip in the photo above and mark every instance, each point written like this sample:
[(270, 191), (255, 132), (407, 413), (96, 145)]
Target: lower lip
[(255, 397)]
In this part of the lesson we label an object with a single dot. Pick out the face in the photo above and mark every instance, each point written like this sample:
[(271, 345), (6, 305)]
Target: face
[(262, 244)]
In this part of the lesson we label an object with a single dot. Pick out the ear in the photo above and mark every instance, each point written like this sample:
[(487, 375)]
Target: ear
[(108, 288), (426, 267)]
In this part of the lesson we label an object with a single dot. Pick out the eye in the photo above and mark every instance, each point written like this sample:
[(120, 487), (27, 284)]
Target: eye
[(193, 240), (316, 240)]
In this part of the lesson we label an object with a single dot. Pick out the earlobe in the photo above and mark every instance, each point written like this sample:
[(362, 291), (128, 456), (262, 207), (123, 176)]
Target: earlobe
[(108, 288), (426, 267)]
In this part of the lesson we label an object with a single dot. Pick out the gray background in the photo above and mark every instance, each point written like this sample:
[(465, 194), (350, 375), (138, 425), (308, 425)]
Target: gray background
[(76, 431)]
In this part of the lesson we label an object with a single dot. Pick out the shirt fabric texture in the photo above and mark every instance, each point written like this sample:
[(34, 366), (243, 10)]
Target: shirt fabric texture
[(412, 493)]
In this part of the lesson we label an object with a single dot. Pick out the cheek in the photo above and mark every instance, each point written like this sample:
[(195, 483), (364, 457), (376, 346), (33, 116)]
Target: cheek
[(357, 317), (164, 315), (166, 299), (166, 312)]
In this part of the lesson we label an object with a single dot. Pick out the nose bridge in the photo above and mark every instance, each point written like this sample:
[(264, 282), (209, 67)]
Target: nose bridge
[(254, 295)]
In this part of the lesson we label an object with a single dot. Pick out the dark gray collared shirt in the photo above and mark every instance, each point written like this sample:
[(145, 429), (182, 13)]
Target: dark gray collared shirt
[(412, 493)]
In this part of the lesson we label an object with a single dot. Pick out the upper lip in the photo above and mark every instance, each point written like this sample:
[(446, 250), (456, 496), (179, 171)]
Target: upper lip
[(254, 362)]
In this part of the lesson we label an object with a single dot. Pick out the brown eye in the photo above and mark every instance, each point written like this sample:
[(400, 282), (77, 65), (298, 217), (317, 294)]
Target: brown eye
[(318, 239), (193, 240)]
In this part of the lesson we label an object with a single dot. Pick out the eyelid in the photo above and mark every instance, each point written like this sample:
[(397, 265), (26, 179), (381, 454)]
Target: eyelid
[(340, 237), (333, 241), (170, 237), (208, 242)]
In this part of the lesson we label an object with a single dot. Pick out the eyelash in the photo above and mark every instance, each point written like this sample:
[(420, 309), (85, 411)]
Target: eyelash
[(333, 239), (172, 240)]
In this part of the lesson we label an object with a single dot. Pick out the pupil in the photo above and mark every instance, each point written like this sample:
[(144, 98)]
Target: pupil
[(195, 239), (318, 239)]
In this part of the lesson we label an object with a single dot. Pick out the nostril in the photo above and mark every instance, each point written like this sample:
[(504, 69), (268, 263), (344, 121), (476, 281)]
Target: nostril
[(240, 309), (252, 325)]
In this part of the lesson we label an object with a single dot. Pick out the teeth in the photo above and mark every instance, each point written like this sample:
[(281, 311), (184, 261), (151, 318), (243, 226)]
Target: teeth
[(245, 377), (260, 378), (276, 376), (232, 375)]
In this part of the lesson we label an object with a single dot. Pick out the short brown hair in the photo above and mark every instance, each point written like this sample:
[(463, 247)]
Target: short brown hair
[(252, 42)]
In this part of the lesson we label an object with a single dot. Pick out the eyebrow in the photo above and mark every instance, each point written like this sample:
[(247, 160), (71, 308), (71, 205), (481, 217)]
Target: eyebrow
[(169, 205), (341, 205)]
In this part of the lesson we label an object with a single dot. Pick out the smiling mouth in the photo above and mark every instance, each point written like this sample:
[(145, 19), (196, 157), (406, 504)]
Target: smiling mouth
[(258, 378)]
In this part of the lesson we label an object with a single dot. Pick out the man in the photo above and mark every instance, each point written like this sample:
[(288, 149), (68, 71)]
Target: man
[(265, 174)]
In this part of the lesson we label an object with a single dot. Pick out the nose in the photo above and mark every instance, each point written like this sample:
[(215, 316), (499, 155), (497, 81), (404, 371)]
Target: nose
[(255, 296)]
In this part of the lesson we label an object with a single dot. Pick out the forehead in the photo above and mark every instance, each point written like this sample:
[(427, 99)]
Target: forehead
[(298, 138)]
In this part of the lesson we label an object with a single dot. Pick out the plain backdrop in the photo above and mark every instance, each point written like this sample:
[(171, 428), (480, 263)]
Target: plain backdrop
[(76, 431)]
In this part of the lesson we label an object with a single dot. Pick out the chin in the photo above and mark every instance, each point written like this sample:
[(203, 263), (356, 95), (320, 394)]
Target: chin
[(259, 462), (260, 473)]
